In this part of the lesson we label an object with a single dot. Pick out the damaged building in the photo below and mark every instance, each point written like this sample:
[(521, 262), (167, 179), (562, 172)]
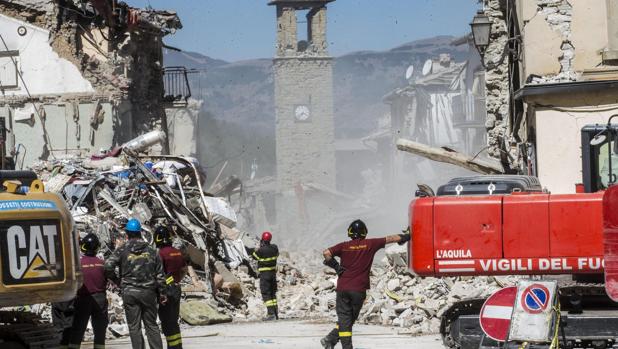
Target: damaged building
[(551, 70), (80, 77), (442, 108)]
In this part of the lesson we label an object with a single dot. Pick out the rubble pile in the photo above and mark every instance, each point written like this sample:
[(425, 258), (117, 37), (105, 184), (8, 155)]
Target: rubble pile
[(396, 298), (104, 190)]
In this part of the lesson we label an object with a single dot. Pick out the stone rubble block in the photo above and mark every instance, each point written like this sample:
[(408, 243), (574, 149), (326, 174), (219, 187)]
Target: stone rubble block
[(396, 297)]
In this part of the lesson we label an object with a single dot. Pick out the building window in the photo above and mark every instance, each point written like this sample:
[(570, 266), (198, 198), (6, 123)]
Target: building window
[(9, 77)]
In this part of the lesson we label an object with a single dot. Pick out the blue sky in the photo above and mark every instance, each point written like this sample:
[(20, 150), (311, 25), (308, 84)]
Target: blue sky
[(243, 29)]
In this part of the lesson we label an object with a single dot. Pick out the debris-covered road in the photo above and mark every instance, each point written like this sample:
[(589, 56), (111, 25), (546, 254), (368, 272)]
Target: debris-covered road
[(291, 334)]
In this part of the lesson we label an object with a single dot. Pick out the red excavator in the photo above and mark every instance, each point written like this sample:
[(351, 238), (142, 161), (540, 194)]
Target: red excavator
[(508, 225)]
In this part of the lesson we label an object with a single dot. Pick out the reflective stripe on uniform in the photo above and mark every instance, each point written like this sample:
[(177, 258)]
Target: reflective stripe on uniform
[(345, 334), (169, 280), (260, 259), (174, 336), (99, 346), (174, 339), (270, 303), (175, 343), (267, 268)]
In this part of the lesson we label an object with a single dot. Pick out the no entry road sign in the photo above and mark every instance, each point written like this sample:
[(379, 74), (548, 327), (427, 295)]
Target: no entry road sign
[(496, 313), (535, 299)]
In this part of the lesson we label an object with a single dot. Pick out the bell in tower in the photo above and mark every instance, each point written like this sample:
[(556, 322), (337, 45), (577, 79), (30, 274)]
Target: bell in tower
[(301, 16)]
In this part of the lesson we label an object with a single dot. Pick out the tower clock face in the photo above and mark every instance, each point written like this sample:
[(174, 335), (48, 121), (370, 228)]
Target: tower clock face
[(302, 113)]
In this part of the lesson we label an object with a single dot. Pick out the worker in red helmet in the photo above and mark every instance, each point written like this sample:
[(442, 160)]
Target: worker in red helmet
[(266, 256), (356, 257)]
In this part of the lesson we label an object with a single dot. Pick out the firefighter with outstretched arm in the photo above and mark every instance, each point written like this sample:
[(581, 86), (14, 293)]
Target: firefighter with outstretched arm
[(266, 256), (175, 269), (356, 258)]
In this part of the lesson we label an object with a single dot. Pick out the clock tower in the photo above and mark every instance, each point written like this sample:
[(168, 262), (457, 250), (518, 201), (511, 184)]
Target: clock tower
[(303, 97)]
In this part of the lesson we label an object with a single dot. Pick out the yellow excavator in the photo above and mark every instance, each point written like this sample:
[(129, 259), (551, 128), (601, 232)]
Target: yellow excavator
[(39, 259)]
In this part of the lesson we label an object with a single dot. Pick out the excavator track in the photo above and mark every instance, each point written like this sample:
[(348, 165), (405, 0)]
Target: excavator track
[(449, 323), (20, 329), (590, 319)]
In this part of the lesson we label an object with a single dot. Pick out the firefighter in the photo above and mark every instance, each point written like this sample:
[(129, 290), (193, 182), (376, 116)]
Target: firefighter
[(266, 256), (91, 300), (141, 281), (356, 258), (175, 270)]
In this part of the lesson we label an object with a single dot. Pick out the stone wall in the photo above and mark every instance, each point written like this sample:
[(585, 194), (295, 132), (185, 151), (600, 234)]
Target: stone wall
[(497, 81), (287, 33), (305, 149)]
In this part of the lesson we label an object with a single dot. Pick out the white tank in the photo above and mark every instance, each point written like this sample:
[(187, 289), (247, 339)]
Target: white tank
[(145, 141)]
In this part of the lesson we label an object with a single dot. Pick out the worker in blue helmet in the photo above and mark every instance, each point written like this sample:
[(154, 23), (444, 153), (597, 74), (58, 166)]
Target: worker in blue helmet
[(142, 281)]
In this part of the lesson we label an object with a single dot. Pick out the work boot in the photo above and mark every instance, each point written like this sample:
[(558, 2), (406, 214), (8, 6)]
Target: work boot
[(326, 344), (270, 317)]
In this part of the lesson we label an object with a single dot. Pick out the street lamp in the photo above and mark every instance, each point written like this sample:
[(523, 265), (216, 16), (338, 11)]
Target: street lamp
[(481, 28)]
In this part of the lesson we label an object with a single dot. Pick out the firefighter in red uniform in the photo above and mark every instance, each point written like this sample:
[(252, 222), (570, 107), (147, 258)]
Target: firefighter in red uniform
[(175, 269), (356, 258), (91, 301), (266, 256)]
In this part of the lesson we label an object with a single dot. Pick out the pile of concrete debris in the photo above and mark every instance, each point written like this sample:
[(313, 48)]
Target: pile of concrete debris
[(396, 298), (106, 189)]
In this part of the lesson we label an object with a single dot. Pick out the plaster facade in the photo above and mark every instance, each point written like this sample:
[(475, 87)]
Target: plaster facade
[(558, 148), (563, 48)]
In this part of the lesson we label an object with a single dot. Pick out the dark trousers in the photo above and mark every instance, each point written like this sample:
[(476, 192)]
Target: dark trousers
[(268, 288), (62, 318), (89, 307), (348, 306), (141, 306), (168, 314)]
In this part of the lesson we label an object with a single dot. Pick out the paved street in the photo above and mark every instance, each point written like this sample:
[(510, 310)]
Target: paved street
[(290, 334)]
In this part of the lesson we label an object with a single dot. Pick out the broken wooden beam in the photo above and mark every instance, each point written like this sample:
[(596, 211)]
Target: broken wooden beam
[(449, 156)]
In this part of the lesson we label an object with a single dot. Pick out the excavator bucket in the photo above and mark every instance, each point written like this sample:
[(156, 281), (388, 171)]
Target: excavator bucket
[(610, 241)]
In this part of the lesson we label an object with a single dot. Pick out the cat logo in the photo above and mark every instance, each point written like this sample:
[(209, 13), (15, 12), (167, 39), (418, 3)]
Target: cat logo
[(32, 252)]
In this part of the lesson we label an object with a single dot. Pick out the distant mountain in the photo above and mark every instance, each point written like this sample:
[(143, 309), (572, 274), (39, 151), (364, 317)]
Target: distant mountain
[(242, 92), (191, 60)]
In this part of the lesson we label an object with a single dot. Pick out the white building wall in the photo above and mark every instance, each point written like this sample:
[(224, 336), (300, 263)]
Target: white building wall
[(558, 138), (44, 72)]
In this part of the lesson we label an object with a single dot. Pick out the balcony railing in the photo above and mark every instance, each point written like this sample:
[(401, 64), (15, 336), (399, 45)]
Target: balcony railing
[(176, 84)]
